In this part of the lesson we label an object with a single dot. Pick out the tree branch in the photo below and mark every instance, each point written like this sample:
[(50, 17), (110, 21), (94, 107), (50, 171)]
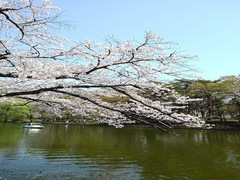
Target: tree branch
[(14, 23)]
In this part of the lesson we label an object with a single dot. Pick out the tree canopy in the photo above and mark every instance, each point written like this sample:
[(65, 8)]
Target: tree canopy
[(38, 65), (220, 98), (16, 111)]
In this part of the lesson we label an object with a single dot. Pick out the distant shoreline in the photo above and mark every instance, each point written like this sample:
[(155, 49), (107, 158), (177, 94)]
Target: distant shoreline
[(231, 125)]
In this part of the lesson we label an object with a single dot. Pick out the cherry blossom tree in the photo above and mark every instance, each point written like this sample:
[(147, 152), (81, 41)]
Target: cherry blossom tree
[(38, 65)]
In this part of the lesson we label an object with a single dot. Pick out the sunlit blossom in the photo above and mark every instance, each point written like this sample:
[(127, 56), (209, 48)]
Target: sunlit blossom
[(38, 64)]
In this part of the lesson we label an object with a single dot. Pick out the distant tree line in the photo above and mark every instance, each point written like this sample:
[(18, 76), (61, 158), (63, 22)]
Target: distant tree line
[(220, 98), (15, 111)]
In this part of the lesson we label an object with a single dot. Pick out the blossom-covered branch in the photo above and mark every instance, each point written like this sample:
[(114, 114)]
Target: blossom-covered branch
[(39, 65)]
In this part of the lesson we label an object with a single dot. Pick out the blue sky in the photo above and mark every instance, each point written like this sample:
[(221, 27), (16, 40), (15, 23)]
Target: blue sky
[(208, 28)]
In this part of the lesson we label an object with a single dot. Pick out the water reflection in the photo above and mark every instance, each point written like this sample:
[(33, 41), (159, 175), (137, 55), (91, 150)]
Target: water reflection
[(10, 135), (31, 131), (75, 152), (201, 138)]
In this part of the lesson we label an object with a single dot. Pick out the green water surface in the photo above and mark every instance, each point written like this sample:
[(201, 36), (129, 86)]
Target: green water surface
[(101, 152)]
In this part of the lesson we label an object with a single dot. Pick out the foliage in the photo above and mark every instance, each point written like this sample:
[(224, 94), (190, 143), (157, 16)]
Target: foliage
[(115, 99), (220, 98), (181, 85), (233, 92), (15, 111)]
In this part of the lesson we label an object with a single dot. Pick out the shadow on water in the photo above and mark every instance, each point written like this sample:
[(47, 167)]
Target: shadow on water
[(100, 152)]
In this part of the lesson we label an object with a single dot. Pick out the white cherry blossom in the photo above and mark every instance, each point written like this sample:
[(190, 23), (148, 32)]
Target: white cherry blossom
[(39, 65)]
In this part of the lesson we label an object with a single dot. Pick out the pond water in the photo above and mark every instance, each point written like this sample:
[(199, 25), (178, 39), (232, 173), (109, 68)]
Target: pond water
[(101, 152)]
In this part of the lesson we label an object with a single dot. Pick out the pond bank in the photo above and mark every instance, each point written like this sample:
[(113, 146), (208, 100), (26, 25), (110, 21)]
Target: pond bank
[(232, 125)]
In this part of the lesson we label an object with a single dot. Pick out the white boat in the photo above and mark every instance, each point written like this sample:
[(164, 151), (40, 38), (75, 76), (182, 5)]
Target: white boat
[(33, 125)]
